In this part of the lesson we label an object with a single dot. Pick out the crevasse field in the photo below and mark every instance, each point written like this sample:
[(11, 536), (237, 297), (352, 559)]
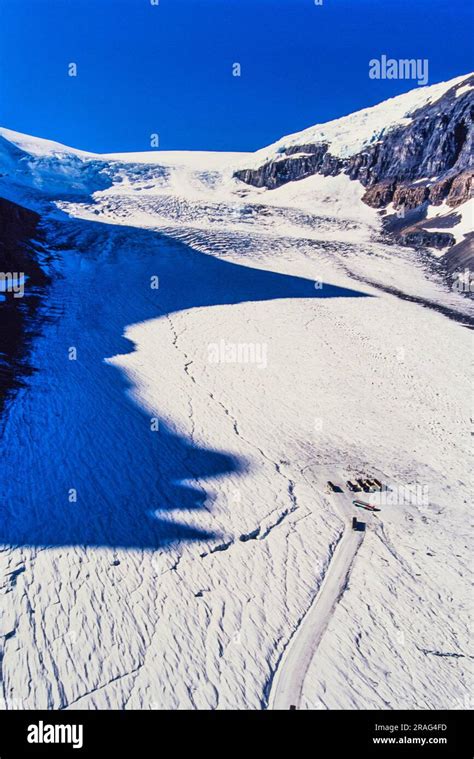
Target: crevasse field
[(167, 538)]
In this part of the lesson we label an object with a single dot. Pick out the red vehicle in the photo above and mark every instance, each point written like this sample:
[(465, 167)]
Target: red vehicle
[(364, 505)]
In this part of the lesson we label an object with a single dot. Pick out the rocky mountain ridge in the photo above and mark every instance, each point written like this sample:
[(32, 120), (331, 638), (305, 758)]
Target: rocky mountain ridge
[(427, 161), (431, 157)]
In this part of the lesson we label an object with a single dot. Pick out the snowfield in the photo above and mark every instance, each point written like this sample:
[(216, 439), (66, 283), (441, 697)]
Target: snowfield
[(166, 528)]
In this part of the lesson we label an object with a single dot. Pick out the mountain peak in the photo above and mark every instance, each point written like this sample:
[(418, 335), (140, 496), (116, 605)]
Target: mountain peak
[(349, 134)]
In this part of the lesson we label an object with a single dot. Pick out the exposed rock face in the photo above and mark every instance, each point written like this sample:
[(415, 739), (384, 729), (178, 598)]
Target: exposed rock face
[(18, 226), (380, 194), (461, 189), (429, 159), (409, 196), (18, 255), (423, 237), (305, 161)]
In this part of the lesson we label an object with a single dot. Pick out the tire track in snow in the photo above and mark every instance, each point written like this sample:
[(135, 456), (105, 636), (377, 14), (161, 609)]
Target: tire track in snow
[(288, 682)]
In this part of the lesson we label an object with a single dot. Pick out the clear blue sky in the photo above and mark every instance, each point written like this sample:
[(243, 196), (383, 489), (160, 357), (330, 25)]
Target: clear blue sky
[(167, 69)]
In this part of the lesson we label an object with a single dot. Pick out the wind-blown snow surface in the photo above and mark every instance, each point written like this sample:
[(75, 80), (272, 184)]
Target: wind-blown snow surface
[(193, 552)]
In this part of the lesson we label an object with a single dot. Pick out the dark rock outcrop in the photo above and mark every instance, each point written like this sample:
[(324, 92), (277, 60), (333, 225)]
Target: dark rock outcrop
[(380, 195), (461, 189), (410, 196), (422, 237), (18, 256), (296, 163)]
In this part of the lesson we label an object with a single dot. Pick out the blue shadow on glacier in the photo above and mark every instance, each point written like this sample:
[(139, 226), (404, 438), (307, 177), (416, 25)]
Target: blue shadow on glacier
[(80, 459)]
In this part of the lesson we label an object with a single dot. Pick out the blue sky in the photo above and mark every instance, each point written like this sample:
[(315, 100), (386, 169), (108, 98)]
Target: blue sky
[(167, 69)]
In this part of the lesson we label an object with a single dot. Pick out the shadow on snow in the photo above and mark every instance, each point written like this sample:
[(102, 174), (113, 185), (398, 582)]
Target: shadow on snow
[(77, 428)]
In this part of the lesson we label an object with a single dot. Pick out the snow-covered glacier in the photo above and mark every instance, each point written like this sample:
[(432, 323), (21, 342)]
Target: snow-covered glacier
[(207, 355)]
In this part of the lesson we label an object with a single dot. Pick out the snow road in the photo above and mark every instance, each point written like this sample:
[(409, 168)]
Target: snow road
[(289, 681)]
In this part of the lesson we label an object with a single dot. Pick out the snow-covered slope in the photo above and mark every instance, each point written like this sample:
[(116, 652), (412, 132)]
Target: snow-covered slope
[(174, 529), (37, 146), (348, 135)]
